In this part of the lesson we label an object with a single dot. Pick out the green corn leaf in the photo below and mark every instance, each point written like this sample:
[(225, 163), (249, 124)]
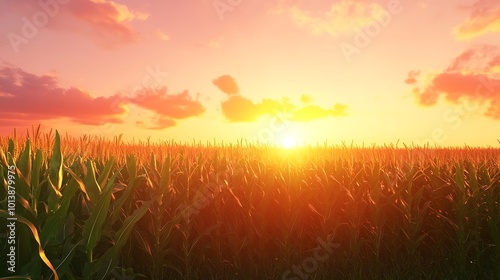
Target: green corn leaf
[(105, 173), (12, 148), (131, 166), (92, 188), (34, 269), (122, 235), (69, 226), (53, 198), (128, 192), (28, 212), (24, 171), (79, 182), (56, 220), (34, 232), (35, 176), (165, 175), (56, 164), (55, 176), (62, 266), (110, 259), (93, 225)]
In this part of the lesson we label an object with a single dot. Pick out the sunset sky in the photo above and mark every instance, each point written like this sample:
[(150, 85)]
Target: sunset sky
[(370, 72)]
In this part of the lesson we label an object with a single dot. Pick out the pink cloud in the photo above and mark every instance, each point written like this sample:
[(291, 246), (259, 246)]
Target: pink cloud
[(412, 77), (107, 18), (177, 106), (484, 19), (473, 75), (480, 58), (226, 84), (105, 21), (28, 97), (167, 107), (342, 18)]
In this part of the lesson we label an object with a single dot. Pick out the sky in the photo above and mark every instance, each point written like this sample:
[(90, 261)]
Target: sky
[(285, 72)]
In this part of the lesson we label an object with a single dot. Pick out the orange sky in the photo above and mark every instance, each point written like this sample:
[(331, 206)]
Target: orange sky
[(310, 71)]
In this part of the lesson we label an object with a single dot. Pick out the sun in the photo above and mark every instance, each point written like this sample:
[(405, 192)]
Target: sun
[(288, 142)]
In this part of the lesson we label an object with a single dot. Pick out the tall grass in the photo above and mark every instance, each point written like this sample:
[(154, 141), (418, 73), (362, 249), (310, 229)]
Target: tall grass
[(90, 208)]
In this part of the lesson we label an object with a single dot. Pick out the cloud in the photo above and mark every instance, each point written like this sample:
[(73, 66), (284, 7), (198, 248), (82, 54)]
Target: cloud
[(158, 122), (306, 99), (342, 18), (27, 97), (178, 106), (493, 110), (107, 19), (226, 84), (412, 77), (241, 109), (471, 76), (481, 58), (168, 107), (484, 19)]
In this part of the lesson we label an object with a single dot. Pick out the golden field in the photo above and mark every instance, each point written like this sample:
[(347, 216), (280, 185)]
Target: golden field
[(95, 208)]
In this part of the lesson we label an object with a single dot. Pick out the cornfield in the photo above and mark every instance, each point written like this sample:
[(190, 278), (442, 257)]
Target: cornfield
[(95, 208)]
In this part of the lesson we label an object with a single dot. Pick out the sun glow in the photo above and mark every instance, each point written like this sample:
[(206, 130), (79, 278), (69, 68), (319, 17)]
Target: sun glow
[(288, 142)]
